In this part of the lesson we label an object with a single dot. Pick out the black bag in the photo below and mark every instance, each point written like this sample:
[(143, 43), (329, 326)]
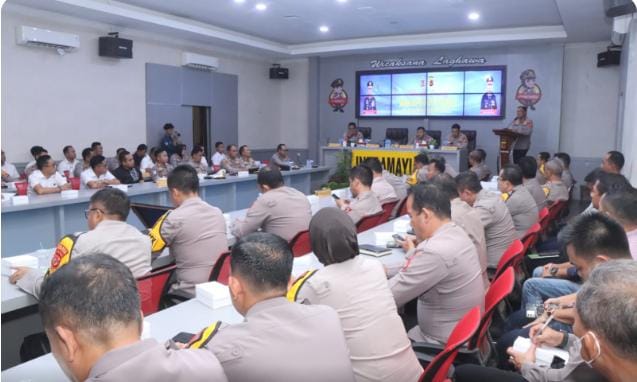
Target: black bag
[(34, 346)]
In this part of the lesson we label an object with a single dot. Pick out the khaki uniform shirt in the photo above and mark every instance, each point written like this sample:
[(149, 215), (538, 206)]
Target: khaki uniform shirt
[(450, 170), (110, 237), (397, 182), (201, 167), (248, 163), (567, 179), (383, 190), (483, 172), (555, 191), (541, 178), (282, 211), (523, 209), (466, 217), (161, 171), (444, 273), (196, 234), (462, 141), (277, 162), (285, 342), (498, 225), (233, 166), (148, 360), (536, 191), (421, 174), (357, 289), (365, 204)]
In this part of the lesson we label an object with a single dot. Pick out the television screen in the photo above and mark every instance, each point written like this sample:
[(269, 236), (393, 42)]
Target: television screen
[(458, 92)]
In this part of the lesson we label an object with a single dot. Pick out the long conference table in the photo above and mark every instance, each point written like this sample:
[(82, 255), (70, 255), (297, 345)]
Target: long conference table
[(46, 218), (192, 316)]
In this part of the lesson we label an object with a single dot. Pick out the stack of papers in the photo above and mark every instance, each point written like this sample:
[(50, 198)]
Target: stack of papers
[(18, 261), (543, 355), (213, 294), (372, 250)]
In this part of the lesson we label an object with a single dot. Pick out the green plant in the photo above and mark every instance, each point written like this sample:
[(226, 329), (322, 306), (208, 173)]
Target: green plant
[(340, 178)]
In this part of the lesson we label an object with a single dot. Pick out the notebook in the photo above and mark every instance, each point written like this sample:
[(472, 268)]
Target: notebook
[(373, 250)]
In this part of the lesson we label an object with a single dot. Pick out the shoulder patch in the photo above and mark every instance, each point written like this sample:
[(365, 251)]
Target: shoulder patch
[(201, 339), (157, 241), (505, 196), (546, 190), (62, 253), (293, 292)]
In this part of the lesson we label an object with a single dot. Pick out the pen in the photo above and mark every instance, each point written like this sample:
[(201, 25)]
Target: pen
[(545, 325)]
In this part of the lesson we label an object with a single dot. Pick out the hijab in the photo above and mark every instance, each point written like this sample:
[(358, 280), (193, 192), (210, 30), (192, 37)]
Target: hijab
[(333, 236)]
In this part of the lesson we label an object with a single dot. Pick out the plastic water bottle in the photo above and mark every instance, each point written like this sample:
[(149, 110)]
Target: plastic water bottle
[(387, 143)]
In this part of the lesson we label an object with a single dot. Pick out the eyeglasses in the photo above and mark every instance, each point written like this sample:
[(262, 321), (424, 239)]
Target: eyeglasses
[(87, 212)]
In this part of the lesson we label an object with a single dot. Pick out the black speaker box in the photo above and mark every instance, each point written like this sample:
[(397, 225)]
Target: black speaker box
[(616, 8), (115, 47), (279, 73), (608, 58)]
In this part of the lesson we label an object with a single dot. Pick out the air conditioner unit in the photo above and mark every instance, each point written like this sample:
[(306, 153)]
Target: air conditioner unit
[(31, 36), (199, 61)]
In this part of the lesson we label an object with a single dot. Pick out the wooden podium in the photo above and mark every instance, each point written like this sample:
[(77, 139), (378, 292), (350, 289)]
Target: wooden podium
[(507, 137)]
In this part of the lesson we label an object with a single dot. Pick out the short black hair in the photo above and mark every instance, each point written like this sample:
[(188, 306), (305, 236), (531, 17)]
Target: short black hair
[(264, 260), (608, 183), (432, 198), (41, 161), (95, 144), (66, 149), (564, 157), (270, 176), (168, 126), (36, 150), (595, 234), (114, 201), (231, 146), (420, 128), (468, 180), (512, 173), (219, 143), (351, 124), (242, 149), (455, 126), (482, 153), (363, 174), (422, 158), (158, 150), (528, 165), (119, 150), (96, 159), (616, 158), (476, 156), (142, 147), (622, 206), (180, 148), (184, 178), (86, 153), (446, 184), (196, 150), (545, 156), (280, 146), (121, 155), (592, 176), (92, 293), (439, 164), (373, 164)]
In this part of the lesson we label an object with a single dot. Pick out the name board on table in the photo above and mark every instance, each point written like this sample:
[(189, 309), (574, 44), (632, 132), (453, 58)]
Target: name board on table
[(397, 162)]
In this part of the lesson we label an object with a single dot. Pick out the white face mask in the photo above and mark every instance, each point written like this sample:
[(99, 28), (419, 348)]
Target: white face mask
[(598, 348)]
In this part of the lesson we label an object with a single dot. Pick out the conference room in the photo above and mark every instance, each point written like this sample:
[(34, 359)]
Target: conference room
[(369, 190)]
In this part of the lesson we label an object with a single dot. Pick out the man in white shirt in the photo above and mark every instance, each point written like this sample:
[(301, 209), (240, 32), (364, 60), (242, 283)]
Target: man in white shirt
[(69, 162), (9, 172), (218, 156), (36, 152), (98, 175), (46, 180)]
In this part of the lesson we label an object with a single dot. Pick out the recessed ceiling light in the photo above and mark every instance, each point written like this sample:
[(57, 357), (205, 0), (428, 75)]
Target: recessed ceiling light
[(342, 1), (324, 28), (260, 7), (239, 1), (473, 16)]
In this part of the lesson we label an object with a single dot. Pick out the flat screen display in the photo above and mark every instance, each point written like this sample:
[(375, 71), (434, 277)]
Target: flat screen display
[(458, 93)]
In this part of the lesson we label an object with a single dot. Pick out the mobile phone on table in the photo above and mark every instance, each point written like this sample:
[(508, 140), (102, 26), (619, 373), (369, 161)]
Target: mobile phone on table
[(398, 237)]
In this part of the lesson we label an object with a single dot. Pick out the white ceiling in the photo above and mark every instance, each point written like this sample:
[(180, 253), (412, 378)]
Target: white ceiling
[(355, 26)]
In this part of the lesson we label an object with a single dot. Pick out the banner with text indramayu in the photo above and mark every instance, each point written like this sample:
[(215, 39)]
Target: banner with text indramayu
[(396, 162)]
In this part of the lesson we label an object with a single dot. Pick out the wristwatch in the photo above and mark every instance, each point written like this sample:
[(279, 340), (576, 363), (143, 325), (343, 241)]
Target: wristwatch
[(564, 342), (553, 271)]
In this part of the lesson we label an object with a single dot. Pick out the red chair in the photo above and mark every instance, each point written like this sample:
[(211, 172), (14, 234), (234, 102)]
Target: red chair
[(369, 222), (300, 244), (265, 162), (221, 270), (555, 209), (531, 237), (512, 257), (388, 208), (152, 287), (438, 368)]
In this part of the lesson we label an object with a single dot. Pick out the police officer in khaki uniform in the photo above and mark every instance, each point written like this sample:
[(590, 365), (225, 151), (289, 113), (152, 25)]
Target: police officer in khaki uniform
[(279, 340), (195, 231), (233, 163), (365, 202), (380, 186), (162, 168), (197, 161), (498, 224), (280, 210), (108, 233), (528, 165), (478, 166), (356, 287), (246, 157), (518, 199), (443, 271), (554, 188), (456, 138), (90, 312)]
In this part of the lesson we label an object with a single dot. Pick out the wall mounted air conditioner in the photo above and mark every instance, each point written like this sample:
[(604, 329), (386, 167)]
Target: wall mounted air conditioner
[(199, 61), (31, 36)]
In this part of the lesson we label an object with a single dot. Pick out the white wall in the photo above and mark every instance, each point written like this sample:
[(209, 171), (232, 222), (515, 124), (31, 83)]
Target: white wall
[(628, 114), (75, 99)]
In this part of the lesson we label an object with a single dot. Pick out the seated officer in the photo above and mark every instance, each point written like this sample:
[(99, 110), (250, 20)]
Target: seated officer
[(46, 180), (518, 199), (109, 233), (195, 231), (356, 287), (233, 163), (90, 312), (162, 168), (528, 165), (279, 209), (541, 160), (380, 186), (554, 188), (436, 167), (496, 218), (442, 271), (478, 166), (280, 158), (197, 161), (365, 202), (279, 340)]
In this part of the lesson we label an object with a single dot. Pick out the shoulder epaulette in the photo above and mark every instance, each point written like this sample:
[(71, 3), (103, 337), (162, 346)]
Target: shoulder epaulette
[(63, 252), (201, 339), (293, 292)]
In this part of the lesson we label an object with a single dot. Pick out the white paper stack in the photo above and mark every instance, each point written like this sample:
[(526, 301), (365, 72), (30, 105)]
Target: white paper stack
[(69, 194), (20, 200), (213, 294), (543, 355), (401, 226), (121, 187), (18, 261), (243, 174), (382, 238)]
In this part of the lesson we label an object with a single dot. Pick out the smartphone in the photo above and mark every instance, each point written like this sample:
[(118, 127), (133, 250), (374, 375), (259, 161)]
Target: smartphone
[(398, 237), (183, 337), (336, 197)]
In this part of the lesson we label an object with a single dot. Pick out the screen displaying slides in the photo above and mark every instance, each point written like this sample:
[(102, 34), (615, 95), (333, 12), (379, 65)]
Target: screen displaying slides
[(446, 93)]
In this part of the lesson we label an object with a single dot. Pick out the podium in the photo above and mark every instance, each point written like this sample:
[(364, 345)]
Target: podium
[(507, 137)]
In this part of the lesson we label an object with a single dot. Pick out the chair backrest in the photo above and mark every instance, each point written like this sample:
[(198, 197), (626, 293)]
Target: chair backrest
[(388, 208), (300, 244), (512, 257), (471, 138), (221, 271), (148, 214), (499, 289), (555, 209), (543, 218), (366, 131), (401, 208), (435, 134), (369, 222), (398, 135), (530, 237), (438, 368), (152, 287)]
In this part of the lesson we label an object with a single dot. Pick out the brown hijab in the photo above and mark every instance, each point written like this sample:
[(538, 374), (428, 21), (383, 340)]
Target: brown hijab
[(333, 236)]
